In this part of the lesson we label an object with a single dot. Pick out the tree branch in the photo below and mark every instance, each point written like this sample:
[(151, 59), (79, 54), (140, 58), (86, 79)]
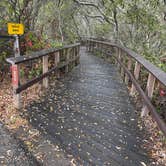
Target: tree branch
[(107, 19)]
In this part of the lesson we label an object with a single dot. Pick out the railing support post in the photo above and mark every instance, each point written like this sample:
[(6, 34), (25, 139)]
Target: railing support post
[(15, 83), (45, 69), (101, 49), (116, 54), (136, 75), (90, 46), (77, 55), (57, 60), (119, 57), (86, 44), (149, 90), (122, 70), (67, 60), (129, 65)]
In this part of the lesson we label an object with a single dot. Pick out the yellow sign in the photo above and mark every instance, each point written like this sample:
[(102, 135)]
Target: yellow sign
[(15, 29)]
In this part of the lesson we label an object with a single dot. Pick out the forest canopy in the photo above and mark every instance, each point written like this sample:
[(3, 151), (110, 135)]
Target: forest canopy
[(137, 24)]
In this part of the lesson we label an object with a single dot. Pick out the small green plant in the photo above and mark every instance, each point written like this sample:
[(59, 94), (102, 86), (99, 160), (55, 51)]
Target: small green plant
[(36, 71), (56, 44), (22, 73)]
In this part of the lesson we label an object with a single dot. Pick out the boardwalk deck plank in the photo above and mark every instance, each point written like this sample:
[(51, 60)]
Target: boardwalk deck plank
[(92, 116)]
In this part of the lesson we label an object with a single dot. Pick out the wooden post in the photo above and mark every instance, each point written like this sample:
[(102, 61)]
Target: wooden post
[(57, 59), (72, 55), (116, 55), (86, 45), (136, 75), (93, 47), (122, 70), (119, 57), (98, 46), (90, 46), (149, 91), (45, 69), (78, 54), (101, 49), (95, 44), (15, 83), (129, 65), (67, 60)]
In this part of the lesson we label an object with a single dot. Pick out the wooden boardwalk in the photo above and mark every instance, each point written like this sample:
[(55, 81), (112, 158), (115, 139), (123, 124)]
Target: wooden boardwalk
[(90, 116)]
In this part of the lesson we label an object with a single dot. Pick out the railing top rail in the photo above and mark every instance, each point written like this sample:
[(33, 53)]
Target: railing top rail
[(155, 71), (38, 54)]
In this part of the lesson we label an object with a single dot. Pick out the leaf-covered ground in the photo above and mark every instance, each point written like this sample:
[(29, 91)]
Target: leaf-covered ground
[(86, 118)]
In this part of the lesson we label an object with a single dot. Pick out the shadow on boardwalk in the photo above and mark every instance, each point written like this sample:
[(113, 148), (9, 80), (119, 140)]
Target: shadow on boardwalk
[(89, 115)]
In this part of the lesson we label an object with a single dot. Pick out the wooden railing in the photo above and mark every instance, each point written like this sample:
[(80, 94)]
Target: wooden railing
[(130, 65), (69, 53)]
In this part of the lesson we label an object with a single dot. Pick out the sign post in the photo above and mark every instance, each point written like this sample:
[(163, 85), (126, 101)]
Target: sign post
[(15, 30), (16, 46)]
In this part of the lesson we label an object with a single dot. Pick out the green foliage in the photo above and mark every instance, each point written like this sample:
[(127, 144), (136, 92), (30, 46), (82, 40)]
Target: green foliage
[(36, 71), (140, 23), (102, 30), (56, 44), (3, 56), (22, 73)]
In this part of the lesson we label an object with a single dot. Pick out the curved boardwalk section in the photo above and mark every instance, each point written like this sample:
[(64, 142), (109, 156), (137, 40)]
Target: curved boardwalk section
[(89, 115)]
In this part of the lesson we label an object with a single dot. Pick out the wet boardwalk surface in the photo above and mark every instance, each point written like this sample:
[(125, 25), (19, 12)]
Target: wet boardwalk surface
[(89, 115)]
